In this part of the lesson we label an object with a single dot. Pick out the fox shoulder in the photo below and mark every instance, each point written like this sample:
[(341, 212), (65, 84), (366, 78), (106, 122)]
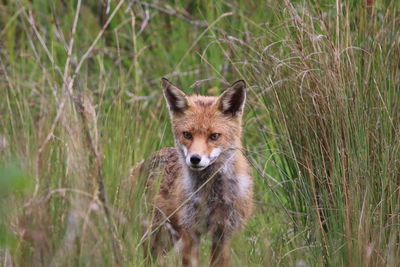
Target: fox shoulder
[(164, 163)]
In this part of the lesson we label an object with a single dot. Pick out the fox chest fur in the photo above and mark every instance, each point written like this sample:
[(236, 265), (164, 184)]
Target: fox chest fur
[(213, 200)]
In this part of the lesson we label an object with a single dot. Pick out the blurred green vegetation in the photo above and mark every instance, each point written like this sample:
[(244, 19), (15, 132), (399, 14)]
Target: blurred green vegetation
[(14, 183)]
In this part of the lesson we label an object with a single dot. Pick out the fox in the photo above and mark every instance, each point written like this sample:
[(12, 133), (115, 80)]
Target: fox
[(206, 185)]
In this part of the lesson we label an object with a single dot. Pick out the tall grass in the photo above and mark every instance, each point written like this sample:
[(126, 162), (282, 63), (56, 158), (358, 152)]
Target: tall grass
[(331, 93), (81, 105)]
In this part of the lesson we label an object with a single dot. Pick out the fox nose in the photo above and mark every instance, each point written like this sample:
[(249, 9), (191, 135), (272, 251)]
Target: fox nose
[(195, 159)]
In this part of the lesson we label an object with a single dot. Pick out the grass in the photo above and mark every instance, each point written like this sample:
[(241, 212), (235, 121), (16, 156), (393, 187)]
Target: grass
[(321, 126)]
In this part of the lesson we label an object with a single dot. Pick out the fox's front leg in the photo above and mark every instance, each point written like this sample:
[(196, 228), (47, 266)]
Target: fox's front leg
[(190, 249), (220, 248)]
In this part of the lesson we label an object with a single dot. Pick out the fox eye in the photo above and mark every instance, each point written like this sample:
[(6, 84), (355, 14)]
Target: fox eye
[(187, 135), (214, 136)]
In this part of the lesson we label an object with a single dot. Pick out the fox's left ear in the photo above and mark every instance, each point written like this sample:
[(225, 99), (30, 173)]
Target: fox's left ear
[(231, 102), (176, 99)]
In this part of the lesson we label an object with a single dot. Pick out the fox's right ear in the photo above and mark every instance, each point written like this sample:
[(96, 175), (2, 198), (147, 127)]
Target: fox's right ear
[(176, 99), (231, 102)]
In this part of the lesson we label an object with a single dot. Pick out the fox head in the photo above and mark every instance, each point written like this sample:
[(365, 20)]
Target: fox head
[(206, 129)]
